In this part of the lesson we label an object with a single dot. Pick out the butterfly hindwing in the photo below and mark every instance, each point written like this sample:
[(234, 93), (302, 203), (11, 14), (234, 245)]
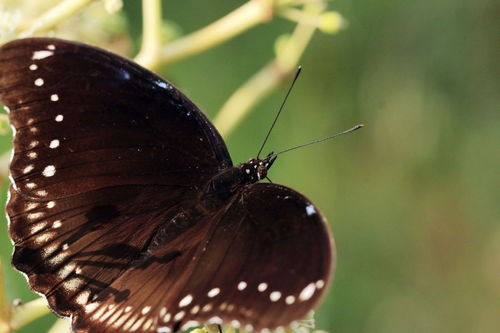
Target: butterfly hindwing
[(256, 267)]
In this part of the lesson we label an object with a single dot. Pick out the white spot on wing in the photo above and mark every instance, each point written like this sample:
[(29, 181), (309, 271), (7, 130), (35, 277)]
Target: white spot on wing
[(54, 144), (307, 292), (37, 227), (161, 84), (34, 143), (320, 284), (290, 299), (32, 205), (275, 296), (51, 47), (51, 204), (65, 271), (39, 82), (28, 168), (242, 285), (185, 301), (262, 287), (56, 224), (145, 310), (91, 307), (37, 55), (31, 185), (49, 171), (190, 324), (163, 311), (179, 315), (213, 292), (33, 67), (72, 284), (34, 216), (310, 210), (54, 97), (215, 320), (147, 324), (59, 118), (124, 74)]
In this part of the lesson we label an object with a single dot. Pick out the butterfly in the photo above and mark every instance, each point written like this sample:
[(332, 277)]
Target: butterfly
[(126, 211)]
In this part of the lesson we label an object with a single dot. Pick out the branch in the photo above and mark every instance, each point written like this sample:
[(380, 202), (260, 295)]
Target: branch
[(53, 16), (5, 307), (149, 55), (269, 77), (62, 325), (26, 313), (241, 19)]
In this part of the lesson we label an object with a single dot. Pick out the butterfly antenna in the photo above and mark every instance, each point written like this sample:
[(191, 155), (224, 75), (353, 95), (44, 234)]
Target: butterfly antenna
[(299, 69), (318, 140)]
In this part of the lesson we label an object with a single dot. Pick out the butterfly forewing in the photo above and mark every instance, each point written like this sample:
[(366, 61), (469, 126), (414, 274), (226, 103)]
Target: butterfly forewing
[(96, 120), (102, 149)]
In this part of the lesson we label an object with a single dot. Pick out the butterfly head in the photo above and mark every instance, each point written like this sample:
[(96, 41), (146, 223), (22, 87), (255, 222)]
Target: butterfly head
[(255, 169)]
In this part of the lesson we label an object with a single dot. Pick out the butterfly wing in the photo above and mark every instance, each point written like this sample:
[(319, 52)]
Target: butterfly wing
[(104, 152), (96, 120), (274, 255), (264, 263)]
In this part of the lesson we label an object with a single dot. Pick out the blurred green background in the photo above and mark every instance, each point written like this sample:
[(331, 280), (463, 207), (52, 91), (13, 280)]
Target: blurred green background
[(413, 198)]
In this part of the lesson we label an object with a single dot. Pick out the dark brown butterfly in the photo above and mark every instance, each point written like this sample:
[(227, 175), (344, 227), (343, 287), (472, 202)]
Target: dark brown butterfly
[(126, 211)]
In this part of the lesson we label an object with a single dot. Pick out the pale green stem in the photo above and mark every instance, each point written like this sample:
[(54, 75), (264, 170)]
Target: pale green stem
[(149, 55), (26, 313), (297, 15), (4, 165), (5, 307), (53, 16), (241, 19), (269, 77), (62, 325), (4, 124)]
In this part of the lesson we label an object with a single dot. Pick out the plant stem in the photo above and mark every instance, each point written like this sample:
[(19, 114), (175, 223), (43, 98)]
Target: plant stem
[(62, 325), (149, 55), (269, 77), (26, 313), (241, 19), (5, 308), (53, 16)]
